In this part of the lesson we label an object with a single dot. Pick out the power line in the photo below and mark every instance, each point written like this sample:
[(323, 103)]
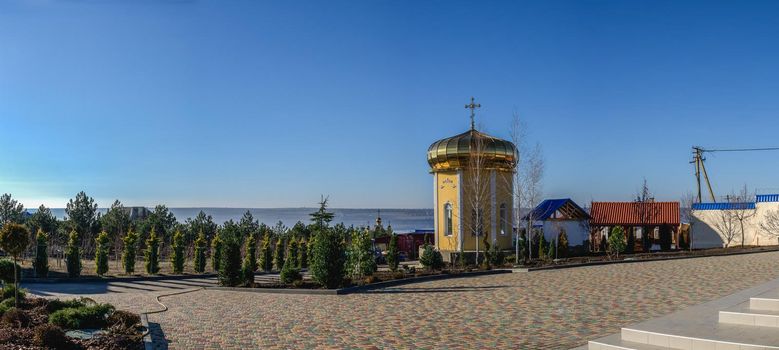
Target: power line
[(742, 149)]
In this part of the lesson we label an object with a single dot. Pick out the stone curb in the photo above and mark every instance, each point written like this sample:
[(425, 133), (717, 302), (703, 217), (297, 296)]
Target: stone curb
[(148, 343), (117, 279), (609, 262), (358, 289)]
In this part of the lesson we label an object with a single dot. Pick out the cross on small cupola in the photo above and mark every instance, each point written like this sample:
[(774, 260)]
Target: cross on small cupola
[(472, 106)]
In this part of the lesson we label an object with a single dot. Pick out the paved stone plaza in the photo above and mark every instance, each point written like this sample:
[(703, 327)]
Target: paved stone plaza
[(556, 309)]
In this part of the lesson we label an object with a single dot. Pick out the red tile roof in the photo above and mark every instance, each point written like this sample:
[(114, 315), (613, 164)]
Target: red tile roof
[(630, 213)]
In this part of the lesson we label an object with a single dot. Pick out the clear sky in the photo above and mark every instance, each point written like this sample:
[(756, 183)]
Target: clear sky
[(270, 104)]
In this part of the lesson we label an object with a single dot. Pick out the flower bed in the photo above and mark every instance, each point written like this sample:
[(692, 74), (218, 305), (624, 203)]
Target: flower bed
[(39, 323)]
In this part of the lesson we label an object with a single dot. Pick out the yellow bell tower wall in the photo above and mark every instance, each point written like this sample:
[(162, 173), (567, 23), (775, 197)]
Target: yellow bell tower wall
[(455, 189)]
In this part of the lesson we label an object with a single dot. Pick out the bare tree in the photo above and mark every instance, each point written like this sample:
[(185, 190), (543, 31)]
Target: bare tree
[(518, 132), (727, 225), (532, 169), (647, 212), (743, 209), (686, 215), (477, 185), (770, 223)]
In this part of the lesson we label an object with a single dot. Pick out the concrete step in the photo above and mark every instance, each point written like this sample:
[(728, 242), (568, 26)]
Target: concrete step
[(761, 303), (768, 300), (744, 314), (615, 343), (749, 340)]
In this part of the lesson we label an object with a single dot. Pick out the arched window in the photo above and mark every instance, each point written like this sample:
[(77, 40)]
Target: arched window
[(448, 219), (503, 219)]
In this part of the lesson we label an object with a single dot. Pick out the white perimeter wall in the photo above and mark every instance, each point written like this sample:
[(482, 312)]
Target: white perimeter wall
[(705, 234), (576, 231)]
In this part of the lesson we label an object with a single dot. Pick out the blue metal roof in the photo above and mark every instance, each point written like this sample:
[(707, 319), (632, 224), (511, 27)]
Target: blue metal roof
[(767, 198), (548, 207), (723, 206)]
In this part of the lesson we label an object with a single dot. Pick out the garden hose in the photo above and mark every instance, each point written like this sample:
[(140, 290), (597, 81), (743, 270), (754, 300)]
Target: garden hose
[(164, 307)]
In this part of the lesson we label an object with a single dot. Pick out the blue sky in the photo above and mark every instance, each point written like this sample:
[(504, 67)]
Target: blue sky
[(270, 104)]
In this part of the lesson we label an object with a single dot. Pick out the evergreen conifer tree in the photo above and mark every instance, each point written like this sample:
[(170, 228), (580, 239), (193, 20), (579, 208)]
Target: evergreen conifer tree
[(200, 252), (361, 260), (152, 253), (302, 254), (177, 258), (393, 253), (250, 260), (562, 245), (551, 252), (128, 255), (327, 258), (266, 254), (292, 252), (73, 255), (216, 252), (101, 253), (230, 264), (542, 254), (278, 254), (41, 254)]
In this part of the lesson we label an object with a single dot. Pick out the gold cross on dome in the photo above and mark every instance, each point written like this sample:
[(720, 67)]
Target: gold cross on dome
[(472, 106)]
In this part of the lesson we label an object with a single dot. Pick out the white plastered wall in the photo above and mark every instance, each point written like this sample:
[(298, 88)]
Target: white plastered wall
[(705, 234)]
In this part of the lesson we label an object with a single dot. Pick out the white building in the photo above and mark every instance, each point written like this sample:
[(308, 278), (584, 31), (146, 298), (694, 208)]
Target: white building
[(719, 224), (555, 216)]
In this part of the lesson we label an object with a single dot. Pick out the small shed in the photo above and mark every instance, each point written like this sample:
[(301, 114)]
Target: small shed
[(557, 216)]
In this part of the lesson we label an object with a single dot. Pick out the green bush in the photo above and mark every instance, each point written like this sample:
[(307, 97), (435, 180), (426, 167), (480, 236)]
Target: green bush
[(51, 336), (278, 254), (57, 304), (73, 255), (431, 258), (200, 252), (41, 263), (8, 303), (327, 258), (7, 271), (10, 290), (101, 253), (16, 317), (266, 254), (3, 309), (393, 253), (230, 264), (497, 258), (177, 258), (128, 255), (249, 261), (152, 253), (92, 316), (216, 252)]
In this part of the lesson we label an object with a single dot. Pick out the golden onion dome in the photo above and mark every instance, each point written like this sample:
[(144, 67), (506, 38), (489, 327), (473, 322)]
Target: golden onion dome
[(458, 151)]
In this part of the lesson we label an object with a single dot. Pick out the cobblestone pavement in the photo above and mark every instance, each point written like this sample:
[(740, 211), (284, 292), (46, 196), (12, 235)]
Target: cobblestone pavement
[(556, 309)]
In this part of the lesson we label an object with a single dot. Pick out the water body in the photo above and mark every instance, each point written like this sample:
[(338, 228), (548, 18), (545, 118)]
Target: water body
[(402, 220)]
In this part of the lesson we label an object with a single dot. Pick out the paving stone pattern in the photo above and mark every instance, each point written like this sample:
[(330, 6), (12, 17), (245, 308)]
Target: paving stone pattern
[(557, 309)]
